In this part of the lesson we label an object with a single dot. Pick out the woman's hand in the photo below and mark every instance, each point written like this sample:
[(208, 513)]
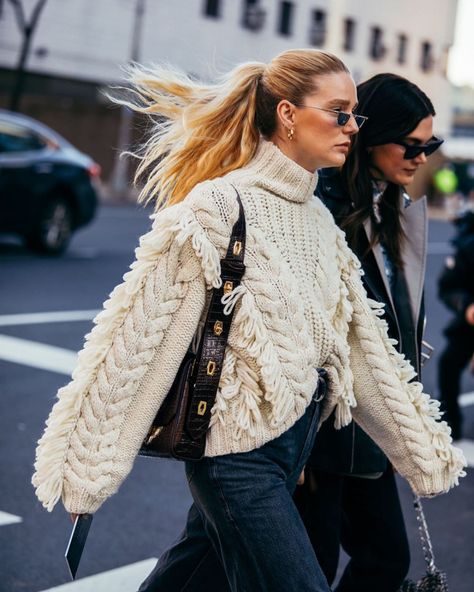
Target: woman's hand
[(301, 479), (73, 517), (470, 314)]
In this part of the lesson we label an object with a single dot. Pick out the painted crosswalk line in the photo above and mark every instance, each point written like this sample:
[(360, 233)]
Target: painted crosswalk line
[(34, 318), (62, 360), (6, 519), (37, 355), (122, 579), (466, 399)]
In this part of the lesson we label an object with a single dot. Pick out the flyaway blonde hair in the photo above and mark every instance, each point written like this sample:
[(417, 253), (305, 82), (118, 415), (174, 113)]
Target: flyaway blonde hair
[(202, 131)]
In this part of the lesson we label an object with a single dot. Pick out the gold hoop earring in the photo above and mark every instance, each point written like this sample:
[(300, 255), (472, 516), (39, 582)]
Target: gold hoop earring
[(291, 133)]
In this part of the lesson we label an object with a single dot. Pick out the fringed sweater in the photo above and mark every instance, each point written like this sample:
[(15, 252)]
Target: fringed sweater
[(301, 306)]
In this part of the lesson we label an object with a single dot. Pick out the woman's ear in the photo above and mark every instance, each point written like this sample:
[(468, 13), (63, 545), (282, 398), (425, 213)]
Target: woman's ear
[(286, 113)]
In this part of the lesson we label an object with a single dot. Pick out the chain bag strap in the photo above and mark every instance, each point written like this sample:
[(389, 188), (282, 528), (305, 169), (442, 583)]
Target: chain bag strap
[(434, 580)]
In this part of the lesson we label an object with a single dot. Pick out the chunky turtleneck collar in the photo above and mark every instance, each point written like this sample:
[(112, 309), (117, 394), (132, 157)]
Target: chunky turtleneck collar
[(272, 171)]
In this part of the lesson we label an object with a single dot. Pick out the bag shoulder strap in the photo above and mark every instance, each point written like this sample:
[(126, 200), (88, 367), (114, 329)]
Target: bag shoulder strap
[(210, 356)]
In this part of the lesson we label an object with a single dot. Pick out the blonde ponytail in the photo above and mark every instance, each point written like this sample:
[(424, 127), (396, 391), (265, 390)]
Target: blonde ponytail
[(203, 131)]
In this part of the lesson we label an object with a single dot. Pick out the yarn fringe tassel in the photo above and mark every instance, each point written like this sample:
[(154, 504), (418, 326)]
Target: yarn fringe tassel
[(176, 223), (428, 409), (272, 384)]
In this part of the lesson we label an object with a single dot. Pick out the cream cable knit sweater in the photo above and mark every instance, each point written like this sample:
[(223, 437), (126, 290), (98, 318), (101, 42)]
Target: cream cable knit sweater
[(301, 306)]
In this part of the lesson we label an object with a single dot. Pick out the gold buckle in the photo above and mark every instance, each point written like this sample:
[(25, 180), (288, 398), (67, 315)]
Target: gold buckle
[(237, 248), (211, 368), (228, 287), (201, 410), (218, 328)]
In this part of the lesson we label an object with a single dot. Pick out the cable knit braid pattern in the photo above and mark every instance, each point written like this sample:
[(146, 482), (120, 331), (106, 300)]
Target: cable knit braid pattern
[(79, 451), (427, 440), (300, 306)]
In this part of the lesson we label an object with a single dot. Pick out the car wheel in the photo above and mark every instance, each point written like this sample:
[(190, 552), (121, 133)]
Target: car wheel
[(54, 229)]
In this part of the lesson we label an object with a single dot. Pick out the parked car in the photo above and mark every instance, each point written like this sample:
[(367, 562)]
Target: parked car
[(48, 189)]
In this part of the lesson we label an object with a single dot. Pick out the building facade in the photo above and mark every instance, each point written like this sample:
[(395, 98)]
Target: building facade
[(79, 45)]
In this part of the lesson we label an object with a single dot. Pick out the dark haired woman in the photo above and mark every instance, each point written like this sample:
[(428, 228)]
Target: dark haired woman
[(350, 495)]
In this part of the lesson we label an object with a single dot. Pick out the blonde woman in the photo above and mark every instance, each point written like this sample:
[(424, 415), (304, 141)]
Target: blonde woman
[(263, 130)]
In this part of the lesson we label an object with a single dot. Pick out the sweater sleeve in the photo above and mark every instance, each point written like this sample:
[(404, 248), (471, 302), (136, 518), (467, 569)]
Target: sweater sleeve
[(127, 365), (391, 406)]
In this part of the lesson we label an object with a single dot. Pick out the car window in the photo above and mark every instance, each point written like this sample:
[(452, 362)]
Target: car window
[(14, 138)]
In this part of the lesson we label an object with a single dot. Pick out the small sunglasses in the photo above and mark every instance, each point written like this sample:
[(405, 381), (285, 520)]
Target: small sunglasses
[(414, 150), (342, 117)]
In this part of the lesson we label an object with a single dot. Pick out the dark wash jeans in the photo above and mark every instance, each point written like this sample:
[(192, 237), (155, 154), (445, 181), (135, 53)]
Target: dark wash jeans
[(364, 516), (244, 520)]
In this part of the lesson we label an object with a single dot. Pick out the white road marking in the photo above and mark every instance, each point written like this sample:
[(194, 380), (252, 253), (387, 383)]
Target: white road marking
[(61, 360), (466, 399), (47, 317), (37, 355), (6, 518), (467, 446), (122, 579)]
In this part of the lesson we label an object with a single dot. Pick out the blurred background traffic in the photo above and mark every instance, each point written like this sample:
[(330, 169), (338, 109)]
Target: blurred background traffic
[(58, 57), (65, 191)]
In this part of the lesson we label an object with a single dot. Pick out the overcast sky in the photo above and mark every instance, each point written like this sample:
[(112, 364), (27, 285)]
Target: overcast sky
[(461, 62)]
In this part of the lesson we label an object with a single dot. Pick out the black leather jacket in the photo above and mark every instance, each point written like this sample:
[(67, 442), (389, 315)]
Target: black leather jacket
[(350, 450)]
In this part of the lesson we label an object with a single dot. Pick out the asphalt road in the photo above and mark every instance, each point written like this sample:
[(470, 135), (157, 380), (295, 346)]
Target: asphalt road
[(138, 523)]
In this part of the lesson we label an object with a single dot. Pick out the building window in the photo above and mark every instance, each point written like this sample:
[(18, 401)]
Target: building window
[(253, 15), (212, 8), (349, 34), (427, 60), (286, 18), (317, 32), (377, 48), (402, 49)]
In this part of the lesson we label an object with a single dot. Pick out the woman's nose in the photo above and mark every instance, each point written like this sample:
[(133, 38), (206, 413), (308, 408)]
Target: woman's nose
[(421, 158), (351, 126)]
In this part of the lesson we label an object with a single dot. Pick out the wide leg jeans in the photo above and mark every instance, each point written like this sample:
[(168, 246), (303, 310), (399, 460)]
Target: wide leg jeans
[(243, 503)]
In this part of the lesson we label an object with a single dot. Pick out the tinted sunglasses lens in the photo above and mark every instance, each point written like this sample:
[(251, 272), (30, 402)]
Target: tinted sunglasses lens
[(343, 118), (412, 152), (360, 120), (432, 147)]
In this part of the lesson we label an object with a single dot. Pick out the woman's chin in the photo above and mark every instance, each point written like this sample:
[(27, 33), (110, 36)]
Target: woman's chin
[(405, 179), (335, 160)]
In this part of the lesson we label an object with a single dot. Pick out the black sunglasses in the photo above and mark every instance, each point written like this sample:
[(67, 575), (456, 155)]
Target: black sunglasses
[(414, 150)]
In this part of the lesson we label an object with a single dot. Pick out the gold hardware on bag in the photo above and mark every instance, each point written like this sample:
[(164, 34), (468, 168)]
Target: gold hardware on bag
[(228, 287), (211, 368), (202, 407), (154, 434), (218, 328), (237, 248)]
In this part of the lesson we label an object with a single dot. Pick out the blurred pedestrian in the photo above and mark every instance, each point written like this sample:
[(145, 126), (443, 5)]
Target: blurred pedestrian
[(263, 131), (456, 290), (445, 182), (350, 495)]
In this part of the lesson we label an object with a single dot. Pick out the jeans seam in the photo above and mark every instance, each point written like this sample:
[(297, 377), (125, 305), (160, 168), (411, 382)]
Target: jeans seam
[(222, 496), (224, 501), (188, 581)]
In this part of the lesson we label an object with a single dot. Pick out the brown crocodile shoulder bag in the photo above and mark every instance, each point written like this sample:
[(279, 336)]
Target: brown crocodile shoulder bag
[(180, 426)]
